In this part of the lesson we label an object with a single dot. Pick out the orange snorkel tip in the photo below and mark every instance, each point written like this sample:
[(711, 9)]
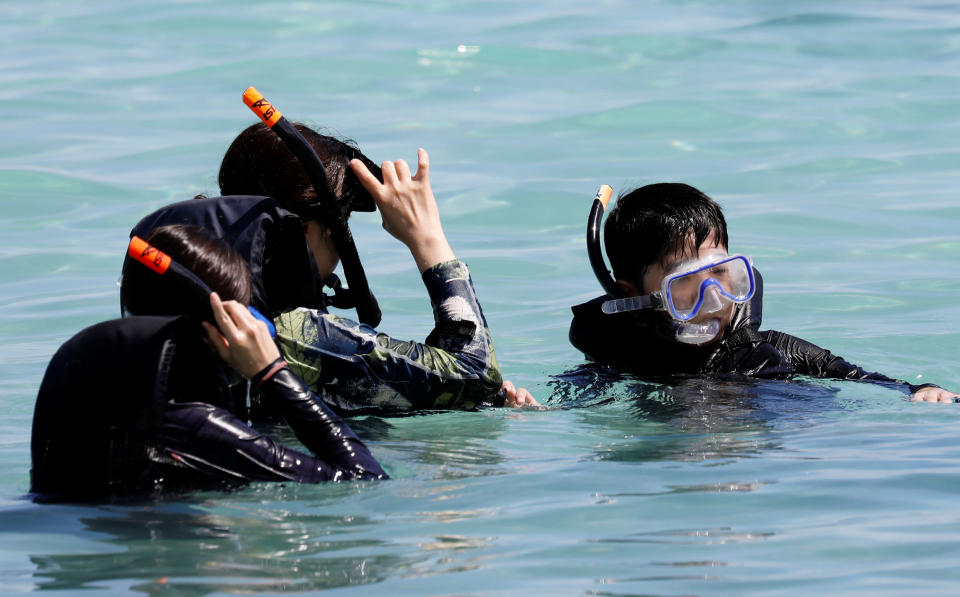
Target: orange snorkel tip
[(261, 107), (604, 193), (149, 256)]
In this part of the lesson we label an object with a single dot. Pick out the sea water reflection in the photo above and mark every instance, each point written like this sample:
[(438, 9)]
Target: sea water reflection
[(293, 538), (184, 548), (689, 418)]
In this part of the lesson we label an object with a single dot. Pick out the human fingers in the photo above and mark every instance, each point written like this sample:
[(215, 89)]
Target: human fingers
[(423, 165), (933, 395), (403, 170), (226, 325), (247, 325), (509, 393), (525, 398), (251, 348), (366, 178), (389, 171), (946, 396), (217, 341)]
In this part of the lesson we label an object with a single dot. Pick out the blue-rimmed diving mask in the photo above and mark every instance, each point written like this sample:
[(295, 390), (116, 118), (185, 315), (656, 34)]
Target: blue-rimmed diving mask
[(695, 286)]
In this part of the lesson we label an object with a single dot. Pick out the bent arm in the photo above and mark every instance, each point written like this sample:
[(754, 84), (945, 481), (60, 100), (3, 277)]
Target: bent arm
[(319, 428), (353, 366), (215, 443)]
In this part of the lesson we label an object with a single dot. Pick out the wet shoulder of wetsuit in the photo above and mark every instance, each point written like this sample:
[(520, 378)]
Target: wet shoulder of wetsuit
[(352, 366), (268, 237), (611, 339), (97, 409), (113, 393)]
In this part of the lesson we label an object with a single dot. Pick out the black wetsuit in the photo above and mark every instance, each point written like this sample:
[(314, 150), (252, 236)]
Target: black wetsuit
[(140, 404), (629, 342)]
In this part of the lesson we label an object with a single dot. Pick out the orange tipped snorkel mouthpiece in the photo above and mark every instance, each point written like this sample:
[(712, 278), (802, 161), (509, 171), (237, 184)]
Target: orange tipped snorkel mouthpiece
[(604, 193)]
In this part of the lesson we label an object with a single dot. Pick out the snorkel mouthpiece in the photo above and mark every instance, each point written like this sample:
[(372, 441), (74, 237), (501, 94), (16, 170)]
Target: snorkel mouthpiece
[(360, 296), (163, 265), (697, 333)]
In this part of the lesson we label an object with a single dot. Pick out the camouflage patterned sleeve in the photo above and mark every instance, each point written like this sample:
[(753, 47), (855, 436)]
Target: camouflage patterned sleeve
[(352, 366)]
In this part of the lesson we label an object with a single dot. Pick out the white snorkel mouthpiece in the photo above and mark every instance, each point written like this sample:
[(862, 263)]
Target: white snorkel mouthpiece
[(697, 333)]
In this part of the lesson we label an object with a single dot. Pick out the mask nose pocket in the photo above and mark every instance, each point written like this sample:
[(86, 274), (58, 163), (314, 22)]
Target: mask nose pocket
[(711, 300)]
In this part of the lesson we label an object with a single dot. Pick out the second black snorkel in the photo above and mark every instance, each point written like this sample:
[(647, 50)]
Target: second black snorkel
[(359, 295), (600, 201)]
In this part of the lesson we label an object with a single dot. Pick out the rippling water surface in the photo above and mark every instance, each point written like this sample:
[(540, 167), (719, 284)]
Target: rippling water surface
[(828, 131)]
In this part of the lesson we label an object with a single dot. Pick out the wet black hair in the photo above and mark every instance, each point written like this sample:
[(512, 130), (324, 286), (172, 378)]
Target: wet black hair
[(653, 221), (144, 292), (258, 162)]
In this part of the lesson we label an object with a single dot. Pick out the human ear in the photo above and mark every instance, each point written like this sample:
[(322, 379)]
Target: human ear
[(629, 288)]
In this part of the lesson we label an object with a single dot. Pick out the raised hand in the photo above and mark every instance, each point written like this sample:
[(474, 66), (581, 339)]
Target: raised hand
[(408, 208)]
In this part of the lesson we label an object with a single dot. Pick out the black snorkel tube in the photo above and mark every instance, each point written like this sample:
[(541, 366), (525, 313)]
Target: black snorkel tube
[(184, 280), (358, 295), (600, 201)]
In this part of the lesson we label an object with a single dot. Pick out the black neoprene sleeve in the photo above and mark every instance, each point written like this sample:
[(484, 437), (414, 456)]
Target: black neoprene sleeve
[(319, 428), (216, 443)]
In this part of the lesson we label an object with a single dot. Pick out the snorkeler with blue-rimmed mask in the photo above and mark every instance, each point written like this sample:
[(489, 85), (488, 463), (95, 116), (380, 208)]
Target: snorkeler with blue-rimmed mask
[(679, 303)]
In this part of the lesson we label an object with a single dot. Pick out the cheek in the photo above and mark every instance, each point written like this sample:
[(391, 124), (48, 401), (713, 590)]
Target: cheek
[(652, 281), (728, 314), (334, 254)]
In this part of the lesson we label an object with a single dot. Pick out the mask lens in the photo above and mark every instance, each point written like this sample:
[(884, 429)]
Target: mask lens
[(687, 288)]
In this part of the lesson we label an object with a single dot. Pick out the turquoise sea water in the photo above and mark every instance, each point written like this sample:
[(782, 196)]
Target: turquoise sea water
[(829, 132)]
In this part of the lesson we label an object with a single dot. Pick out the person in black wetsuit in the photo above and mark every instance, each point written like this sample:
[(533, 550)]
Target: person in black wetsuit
[(144, 404), (680, 304)]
